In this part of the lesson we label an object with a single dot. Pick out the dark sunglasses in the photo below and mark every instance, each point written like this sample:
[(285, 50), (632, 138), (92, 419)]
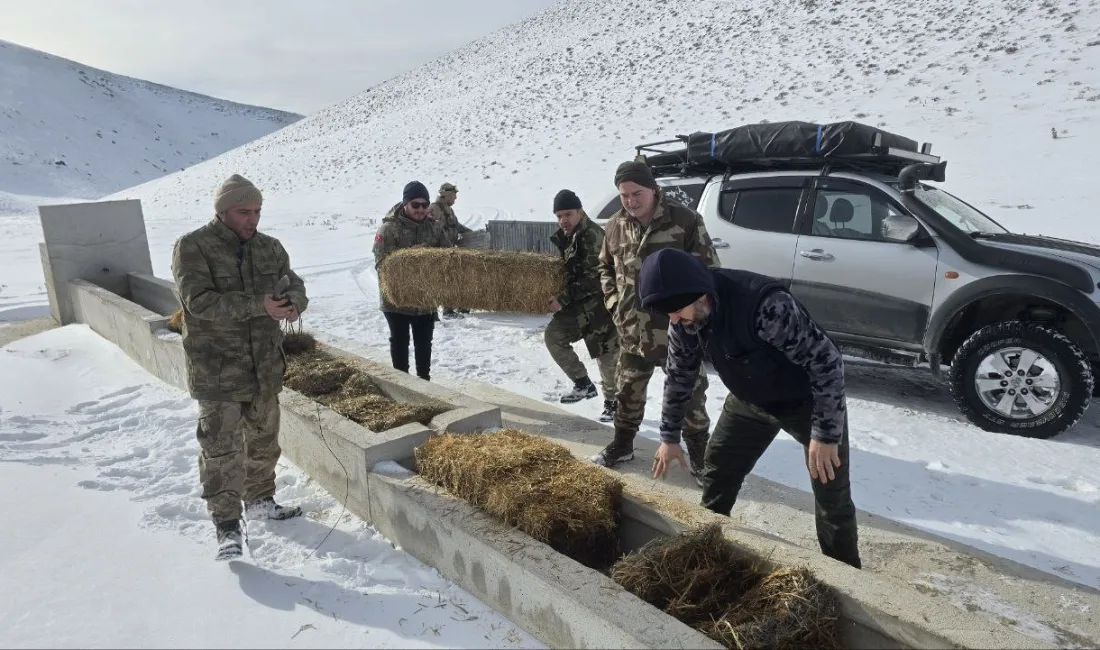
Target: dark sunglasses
[(419, 204)]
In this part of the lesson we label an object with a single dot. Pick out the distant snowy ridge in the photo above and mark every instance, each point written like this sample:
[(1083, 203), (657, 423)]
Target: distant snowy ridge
[(69, 131)]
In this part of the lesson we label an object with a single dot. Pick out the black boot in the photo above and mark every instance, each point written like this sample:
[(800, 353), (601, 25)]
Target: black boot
[(267, 509), (582, 389), (608, 414), (229, 540)]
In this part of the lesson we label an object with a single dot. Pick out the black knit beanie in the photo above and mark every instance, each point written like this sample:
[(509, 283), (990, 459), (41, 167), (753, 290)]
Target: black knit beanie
[(637, 172), (566, 200), (672, 304), (415, 190)]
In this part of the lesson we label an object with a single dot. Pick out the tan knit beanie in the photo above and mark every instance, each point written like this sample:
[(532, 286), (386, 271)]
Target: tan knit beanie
[(236, 190)]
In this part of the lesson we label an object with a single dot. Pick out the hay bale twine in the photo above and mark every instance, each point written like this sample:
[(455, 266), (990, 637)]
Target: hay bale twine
[(705, 581), (533, 484), (175, 321), (498, 281)]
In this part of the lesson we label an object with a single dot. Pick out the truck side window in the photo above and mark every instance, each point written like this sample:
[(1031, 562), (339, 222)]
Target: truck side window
[(771, 209)]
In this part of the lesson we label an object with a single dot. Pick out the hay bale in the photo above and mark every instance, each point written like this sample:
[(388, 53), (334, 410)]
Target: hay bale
[(533, 484), (499, 281), (175, 321), (702, 579), (379, 413)]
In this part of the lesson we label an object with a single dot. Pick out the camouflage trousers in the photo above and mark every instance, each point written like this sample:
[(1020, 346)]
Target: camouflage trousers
[(634, 375), (239, 444), (571, 325)]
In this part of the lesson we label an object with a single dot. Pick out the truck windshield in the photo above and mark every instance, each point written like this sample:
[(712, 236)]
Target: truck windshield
[(964, 217)]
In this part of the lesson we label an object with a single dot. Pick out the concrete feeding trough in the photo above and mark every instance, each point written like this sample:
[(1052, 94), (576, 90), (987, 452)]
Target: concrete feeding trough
[(556, 599)]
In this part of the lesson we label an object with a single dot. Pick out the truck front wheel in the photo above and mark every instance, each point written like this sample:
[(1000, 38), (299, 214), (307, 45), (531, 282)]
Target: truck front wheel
[(1021, 378)]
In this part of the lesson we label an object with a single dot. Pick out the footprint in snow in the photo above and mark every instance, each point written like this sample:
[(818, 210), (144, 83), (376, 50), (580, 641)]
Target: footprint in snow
[(889, 441)]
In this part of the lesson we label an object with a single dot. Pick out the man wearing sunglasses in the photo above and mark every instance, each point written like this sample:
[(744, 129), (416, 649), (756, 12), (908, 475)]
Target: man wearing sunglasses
[(407, 225), (782, 372)]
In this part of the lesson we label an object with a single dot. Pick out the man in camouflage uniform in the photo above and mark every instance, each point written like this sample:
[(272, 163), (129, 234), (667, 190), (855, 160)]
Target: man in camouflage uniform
[(579, 312), (442, 212), (226, 272), (647, 222), (407, 225)]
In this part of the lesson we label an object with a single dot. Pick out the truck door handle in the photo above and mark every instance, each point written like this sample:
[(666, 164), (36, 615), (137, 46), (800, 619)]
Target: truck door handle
[(719, 243), (816, 254)]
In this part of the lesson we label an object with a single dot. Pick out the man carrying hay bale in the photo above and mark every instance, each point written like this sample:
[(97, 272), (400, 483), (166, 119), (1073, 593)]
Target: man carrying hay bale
[(579, 312), (442, 212), (407, 225), (225, 272), (782, 371), (647, 223)]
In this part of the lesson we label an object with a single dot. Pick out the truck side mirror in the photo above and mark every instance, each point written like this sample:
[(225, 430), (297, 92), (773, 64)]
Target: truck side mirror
[(901, 228)]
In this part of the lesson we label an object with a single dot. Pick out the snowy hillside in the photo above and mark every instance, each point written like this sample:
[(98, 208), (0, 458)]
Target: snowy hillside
[(71, 131), (559, 99)]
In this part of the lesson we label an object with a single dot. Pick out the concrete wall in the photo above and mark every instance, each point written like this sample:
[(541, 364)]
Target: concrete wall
[(154, 294), (101, 242)]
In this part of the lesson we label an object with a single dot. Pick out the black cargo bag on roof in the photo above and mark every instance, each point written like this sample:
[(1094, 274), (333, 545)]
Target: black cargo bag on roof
[(789, 141)]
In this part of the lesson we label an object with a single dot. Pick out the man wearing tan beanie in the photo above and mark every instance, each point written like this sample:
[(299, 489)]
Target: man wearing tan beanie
[(226, 273)]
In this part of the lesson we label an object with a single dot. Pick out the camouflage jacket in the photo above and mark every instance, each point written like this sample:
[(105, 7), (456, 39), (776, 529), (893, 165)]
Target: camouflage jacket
[(626, 244), (397, 232), (445, 216), (582, 297), (233, 348)]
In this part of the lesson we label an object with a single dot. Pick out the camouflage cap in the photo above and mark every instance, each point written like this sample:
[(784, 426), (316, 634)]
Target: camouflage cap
[(448, 187)]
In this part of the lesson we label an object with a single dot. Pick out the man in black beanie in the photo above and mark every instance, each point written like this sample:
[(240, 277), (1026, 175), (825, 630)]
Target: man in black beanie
[(647, 223), (404, 226), (782, 372), (579, 312)]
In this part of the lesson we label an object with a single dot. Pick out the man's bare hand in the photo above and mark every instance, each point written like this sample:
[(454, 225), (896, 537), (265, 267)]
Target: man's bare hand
[(277, 308), (554, 306), (822, 460), (667, 453), (293, 315)]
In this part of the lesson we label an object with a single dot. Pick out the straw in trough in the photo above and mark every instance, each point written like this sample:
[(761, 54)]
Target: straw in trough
[(533, 484), (175, 321), (342, 387), (498, 281), (702, 579)]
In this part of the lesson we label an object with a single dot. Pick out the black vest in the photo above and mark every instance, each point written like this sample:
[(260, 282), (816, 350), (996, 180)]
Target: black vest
[(754, 371)]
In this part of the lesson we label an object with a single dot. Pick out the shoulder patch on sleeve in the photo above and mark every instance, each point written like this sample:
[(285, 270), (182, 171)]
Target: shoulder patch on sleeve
[(378, 238)]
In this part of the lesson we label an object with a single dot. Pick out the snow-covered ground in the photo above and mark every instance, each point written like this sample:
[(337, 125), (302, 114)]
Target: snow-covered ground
[(107, 542), (69, 131), (558, 100)]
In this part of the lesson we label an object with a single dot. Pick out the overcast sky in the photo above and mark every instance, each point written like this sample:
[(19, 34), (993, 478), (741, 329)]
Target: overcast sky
[(296, 55)]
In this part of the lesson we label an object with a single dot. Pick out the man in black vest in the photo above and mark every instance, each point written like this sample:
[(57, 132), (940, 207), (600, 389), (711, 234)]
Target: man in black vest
[(782, 372)]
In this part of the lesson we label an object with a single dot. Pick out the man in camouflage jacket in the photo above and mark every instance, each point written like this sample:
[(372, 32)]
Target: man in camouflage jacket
[(579, 312), (407, 225), (647, 223), (443, 213), (226, 272)]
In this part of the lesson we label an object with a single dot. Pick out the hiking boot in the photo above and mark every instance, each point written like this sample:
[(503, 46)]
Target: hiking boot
[(266, 508), (617, 452), (582, 389), (608, 414), (697, 450), (229, 540)]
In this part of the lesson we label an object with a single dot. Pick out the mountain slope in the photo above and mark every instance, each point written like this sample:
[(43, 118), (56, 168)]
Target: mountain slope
[(71, 131), (558, 99)]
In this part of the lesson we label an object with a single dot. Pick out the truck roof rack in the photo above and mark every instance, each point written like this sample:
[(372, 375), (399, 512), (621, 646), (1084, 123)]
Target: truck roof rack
[(873, 154)]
